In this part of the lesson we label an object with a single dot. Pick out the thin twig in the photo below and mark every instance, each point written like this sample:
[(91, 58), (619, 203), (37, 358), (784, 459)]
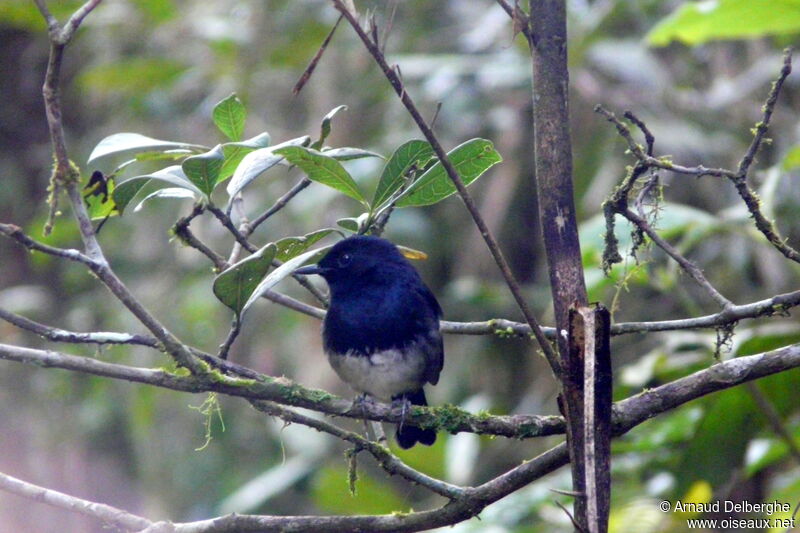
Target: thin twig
[(242, 240), (688, 266), (313, 63), (619, 205), (111, 516), (15, 232), (236, 327), (182, 231), (180, 352), (74, 337), (774, 419), (648, 135), (738, 177), (519, 18), (279, 204), (750, 198), (228, 223), (388, 461), (237, 204)]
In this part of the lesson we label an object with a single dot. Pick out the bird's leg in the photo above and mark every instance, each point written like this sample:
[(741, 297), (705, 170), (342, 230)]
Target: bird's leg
[(400, 401), (375, 429)]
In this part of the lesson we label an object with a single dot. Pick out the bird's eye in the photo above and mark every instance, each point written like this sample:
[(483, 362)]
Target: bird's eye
[(344, 260)]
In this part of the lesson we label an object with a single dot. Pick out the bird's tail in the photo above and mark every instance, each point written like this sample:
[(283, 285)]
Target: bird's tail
[(408, 435)]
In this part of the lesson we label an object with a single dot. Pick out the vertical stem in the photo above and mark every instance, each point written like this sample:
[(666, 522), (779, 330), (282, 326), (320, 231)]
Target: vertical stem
[(553, 149), (597, 385)]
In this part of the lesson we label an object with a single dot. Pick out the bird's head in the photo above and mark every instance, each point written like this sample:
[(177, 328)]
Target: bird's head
[(355, 258)]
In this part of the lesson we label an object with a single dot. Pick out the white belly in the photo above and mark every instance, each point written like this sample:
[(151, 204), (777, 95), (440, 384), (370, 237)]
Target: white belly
[(383, 374)]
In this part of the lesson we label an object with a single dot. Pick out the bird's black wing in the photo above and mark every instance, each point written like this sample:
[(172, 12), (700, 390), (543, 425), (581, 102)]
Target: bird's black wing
[(434, 345)]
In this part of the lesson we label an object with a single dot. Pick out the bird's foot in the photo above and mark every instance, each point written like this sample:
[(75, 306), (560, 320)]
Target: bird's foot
[(362, 402)]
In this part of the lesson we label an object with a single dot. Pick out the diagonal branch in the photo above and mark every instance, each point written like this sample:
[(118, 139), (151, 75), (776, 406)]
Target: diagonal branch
[(397, 84), (60, 335), (388, 461), (737, 177), (688, 266), (67, 176), (110, 516), (180, 352), (279, 204), (750, 198), (284, 391)]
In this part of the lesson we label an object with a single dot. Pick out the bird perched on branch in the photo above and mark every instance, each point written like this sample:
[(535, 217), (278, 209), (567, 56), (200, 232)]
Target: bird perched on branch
[(381, 333)]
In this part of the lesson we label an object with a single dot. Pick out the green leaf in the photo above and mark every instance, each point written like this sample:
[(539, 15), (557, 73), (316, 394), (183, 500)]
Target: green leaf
[(128, 144), (128, 189), (325, 128), (256, 163), (349, 223), (414, 153), (347, 153), (203, 169), (695, 23), (470, 159), (323, 169), (236, 284), (169, 192), (168, 155), (235, 152), (282, 272), (229, 116), (290, 247)]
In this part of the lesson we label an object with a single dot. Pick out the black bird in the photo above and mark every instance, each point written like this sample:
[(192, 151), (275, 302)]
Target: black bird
[(381, 332)]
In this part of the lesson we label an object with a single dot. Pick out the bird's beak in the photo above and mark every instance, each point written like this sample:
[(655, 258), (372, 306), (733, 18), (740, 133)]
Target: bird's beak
[(309, 270), (410, 253)]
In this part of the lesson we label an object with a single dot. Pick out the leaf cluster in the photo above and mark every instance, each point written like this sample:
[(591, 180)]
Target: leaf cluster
[(411, 177)]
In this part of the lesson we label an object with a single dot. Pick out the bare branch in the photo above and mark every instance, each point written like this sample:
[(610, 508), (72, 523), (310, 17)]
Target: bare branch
[(110, 516), (180, 352), (313, 64), (15, 232), (279, 204), (688, 266), (73, 337), (388, 461), (628, 412), (236, 327), (738, 177), (519, 18), (182, 231), (71, 26), (226, 221), (284, 391), (645, 405), (762, 127)]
